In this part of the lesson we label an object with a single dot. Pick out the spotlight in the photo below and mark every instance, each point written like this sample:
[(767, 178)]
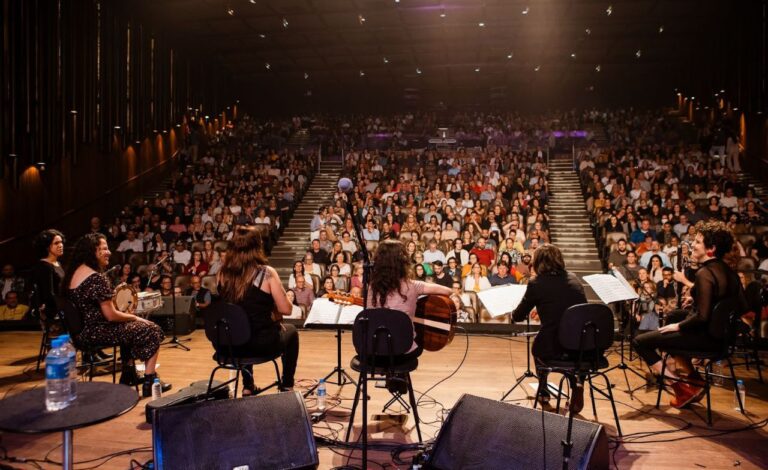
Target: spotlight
[(138, 142), (477, 69), (638, 53), (573, 55), (588, 31), (41, 165), (262, 36), (537, 68), (481, 24), (722, 91), (526, 10), (362, 74), (306, 75), (253, 1), (285, 23), (735, 109), (609, 10), (386, 61), (661, 29), (598, 68), (231, 11), (74, 111), (510, 55), (267, 66), (361, 19), (442, 15), (418, 71)]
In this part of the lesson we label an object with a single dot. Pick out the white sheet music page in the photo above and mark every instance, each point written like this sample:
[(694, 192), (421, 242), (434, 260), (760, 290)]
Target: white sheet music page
[(501, 300), (348, 314), (323, 312), (610, 289)]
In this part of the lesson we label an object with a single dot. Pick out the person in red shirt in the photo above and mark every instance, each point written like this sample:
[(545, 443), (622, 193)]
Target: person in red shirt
[(485, 256)]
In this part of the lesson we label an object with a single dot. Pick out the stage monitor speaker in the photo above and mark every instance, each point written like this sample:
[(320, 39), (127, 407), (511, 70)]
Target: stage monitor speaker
[(483, 433), (267, 431)]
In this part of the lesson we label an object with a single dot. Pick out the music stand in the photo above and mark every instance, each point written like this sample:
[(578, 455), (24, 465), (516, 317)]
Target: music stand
[(528, 372), (624, 321), (343, 377), (175, 342)]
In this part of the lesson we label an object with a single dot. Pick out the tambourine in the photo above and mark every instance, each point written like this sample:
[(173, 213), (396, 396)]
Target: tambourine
[(125, 298)]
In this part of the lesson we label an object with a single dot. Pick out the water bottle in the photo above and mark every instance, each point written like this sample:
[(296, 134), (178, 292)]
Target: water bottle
[(232, 377), (58, 390), (157, 389), (72, 355), (717, 373), (740, 391), (321, 395)]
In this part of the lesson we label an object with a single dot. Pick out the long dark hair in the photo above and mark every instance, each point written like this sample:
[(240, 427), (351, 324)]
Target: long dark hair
[(390, 270), (245, 255), (43, 241), (548, 259), (84, 253)]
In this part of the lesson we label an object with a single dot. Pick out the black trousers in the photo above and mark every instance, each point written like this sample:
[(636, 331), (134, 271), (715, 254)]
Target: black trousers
[(289, 347), (647, 344)]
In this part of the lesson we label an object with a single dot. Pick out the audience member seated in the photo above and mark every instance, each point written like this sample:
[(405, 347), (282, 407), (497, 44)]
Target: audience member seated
[(12, 310)]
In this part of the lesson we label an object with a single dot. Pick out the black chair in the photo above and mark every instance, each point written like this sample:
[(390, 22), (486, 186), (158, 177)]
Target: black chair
[(722, 327), (586, 329), (73, 323), (227, 327), (379, 336)]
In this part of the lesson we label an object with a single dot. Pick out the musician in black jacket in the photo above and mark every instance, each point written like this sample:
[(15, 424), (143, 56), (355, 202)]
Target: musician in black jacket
[(550, 291)]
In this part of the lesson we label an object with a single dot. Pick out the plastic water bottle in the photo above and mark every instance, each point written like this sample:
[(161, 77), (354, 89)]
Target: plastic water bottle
[(740, 391), (71, 353), (58, 391), (717, 371), (321, 395), (157, 389)]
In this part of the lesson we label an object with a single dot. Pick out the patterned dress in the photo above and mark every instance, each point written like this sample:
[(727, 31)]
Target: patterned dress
[(141, 339)]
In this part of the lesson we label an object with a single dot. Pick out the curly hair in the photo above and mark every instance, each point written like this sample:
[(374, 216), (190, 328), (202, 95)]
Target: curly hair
[(43, 241), (717, 235), (390, 270), (83, 253), (245, 254)]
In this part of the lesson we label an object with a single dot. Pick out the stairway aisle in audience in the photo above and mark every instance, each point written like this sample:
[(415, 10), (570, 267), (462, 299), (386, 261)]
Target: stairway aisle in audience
[(294, 241), (569, 222)]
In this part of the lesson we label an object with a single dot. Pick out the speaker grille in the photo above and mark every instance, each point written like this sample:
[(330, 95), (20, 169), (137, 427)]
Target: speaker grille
[(268, 431), (482, 433)]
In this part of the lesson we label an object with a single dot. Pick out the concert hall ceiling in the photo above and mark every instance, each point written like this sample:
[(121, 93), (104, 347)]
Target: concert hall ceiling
[(485, 50)]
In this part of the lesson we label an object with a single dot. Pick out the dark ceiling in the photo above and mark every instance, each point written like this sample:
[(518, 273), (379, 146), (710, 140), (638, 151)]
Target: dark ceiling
[(463, 51)]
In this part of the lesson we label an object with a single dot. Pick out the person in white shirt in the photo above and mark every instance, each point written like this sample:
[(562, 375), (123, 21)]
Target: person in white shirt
[(181, 255), (433, 254), (131, 243)]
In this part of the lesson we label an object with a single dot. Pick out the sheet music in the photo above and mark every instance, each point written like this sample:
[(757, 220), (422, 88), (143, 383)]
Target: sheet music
[(348, 314), (610, 289), (323, 312), (617, 274), (327, 312), (502, 300)]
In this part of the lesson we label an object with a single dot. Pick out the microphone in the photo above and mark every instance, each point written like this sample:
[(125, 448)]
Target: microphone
[(114, 268), (345, 185)]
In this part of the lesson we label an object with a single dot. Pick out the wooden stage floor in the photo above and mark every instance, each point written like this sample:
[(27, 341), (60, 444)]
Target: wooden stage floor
[(490, 368)]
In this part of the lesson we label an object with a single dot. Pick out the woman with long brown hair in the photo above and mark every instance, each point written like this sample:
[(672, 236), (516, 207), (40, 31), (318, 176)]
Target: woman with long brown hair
[(246, 280), (391, 286)]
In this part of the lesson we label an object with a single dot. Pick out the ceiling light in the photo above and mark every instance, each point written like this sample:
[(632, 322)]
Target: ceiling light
[(537, 68), (262, 35), (253, 1), (510, 55), (722, 91), (609, 10), (285, 23), (661, 29), (418, 71), (306, 75), (442, 15), (526, 10), (362, 74), (386, 61), (481, 24), (693, 98), (230, 11), (477, 69), (361, 19), (74, 111), (638, 53), (573, 55), (397, 1), (268, 66), (588, 31), (735, 109), (598, 68)]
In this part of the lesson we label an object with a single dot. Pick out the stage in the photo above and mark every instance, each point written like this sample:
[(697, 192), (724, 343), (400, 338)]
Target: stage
[(491, 365)]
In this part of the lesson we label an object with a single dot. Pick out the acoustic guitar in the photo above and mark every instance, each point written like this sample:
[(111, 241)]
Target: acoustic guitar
[(435, 320)]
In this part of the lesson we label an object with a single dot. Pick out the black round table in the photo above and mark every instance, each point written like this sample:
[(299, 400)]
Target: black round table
[(96, 402)]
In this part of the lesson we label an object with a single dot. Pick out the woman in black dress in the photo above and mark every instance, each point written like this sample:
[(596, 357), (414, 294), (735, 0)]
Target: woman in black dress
[(47, 274), (90, 292), (246, 280), (715, 281)]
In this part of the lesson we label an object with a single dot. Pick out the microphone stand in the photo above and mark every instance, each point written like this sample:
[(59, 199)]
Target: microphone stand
[(175, 342), (367, 267)]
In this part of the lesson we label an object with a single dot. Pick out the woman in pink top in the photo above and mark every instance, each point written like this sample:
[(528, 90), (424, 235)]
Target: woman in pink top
[(391, 286)]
